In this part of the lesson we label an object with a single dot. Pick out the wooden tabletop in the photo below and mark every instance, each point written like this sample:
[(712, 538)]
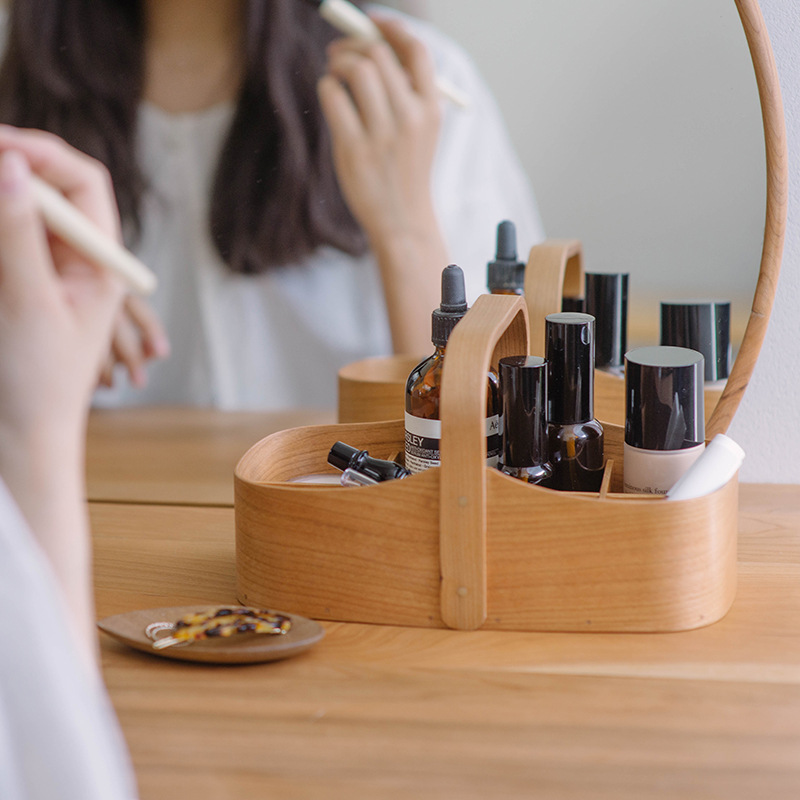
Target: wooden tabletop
[(177, 455), (386, 712)]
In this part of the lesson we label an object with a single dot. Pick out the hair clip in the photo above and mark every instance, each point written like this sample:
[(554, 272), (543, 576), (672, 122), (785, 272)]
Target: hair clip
[(216, 623)]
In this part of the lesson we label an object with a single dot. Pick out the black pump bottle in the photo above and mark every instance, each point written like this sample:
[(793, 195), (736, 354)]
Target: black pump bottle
[(575, 437)]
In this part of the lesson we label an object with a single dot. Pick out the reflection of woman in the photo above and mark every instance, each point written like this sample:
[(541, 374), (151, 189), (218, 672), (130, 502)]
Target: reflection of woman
[(273, 268), (58, 735)]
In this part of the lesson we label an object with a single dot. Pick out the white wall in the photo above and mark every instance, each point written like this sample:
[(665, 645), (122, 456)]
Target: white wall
[(767, 424), (639, 125)]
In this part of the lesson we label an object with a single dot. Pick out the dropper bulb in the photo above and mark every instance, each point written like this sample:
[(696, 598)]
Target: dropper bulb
[(454, 293), (506, 241)]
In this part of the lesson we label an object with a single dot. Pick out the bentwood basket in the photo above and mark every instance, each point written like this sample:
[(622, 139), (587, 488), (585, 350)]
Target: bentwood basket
[(465, 546)]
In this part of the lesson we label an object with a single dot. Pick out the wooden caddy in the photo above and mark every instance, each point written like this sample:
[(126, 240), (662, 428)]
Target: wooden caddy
[(466, 547)]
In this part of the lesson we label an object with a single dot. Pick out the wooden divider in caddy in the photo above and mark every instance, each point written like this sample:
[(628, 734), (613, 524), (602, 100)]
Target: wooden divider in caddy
[(466, 547)]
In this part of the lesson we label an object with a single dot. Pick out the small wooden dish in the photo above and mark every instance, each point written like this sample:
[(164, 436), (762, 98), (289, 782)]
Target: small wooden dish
[(130, 628)]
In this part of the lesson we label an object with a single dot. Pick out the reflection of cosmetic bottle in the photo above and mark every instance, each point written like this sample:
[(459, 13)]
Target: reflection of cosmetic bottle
[(523, 383), (700, 325), (573, 305), (423, 428), (575, 437), (506, 274), (347, 458), (607, 302), (664, 422)]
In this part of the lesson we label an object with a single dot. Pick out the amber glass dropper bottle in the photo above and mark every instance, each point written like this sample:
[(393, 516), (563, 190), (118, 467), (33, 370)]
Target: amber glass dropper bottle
[(506, 274), (423, 428)]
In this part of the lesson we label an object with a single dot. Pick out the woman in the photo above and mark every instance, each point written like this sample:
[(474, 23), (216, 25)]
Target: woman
[(58, 734), (298, 203)]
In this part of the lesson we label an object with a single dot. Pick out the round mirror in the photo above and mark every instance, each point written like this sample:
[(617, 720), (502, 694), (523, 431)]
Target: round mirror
[(639, 125)]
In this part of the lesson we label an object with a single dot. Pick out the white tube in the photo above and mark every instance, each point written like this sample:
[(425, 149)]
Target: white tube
[(718, 463)]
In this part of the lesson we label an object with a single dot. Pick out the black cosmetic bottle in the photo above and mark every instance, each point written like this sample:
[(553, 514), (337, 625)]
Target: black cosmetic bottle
[(575, 437), (506, 274), (523, 386), (344, 456)]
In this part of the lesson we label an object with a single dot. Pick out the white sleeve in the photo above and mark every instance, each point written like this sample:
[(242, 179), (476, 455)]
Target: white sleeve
[(478, 179), (59, 737)]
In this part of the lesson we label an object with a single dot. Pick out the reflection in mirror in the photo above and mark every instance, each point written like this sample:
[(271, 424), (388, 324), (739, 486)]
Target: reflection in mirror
[(639, 126)]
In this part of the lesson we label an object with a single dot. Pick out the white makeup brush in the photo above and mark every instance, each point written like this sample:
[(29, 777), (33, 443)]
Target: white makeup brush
[(69, 224)]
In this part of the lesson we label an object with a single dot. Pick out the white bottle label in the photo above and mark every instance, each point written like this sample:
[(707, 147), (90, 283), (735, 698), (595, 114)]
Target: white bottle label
[(494, 440), (656, 471), (423, 438)]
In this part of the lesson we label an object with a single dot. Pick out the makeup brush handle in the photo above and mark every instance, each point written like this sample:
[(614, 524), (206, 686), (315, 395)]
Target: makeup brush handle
[(348, 19), (351, 21), (69, 224)]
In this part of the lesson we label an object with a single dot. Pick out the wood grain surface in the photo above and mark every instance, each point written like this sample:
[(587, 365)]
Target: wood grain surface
[(397, 712), (176, 454)]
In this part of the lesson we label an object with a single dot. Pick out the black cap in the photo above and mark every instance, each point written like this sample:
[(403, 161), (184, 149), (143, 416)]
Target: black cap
[(506, 272), (607, 302), (523, 383), (703, 325), (664, 407), (341, 455), (453, 306), (570, 368), (577, 304)]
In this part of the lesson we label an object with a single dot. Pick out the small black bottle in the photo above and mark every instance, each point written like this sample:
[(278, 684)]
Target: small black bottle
[(343, 456), (506, 274), (575, 437), (523, 384)]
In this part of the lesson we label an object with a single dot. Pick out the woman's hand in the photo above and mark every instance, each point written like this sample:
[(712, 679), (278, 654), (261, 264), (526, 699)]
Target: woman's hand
[(383, 111), (138, 337), (56, 309), (382, 107), (56, 314)]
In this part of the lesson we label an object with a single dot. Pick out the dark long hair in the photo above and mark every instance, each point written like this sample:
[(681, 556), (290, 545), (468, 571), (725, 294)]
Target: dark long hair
[(75, 68)]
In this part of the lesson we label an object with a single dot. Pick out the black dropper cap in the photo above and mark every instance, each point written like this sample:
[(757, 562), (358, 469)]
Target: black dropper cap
[(506, 273), (704, 326), (344, 456), (664, 398), (453, 305), (570, 368), (523, 382), (607, 302)]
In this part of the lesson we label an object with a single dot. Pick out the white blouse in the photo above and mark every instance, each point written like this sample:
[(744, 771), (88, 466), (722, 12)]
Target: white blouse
[(277, 340), (59, 737)]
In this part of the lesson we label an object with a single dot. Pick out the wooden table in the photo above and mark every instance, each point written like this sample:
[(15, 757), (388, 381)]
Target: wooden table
[(176, 455), (384, 712)]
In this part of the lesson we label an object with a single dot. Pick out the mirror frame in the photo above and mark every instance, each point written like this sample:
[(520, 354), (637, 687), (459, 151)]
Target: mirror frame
[(769, 93)]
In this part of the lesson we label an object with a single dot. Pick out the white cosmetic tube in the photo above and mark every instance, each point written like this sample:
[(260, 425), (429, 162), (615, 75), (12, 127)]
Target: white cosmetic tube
[(718, 463)]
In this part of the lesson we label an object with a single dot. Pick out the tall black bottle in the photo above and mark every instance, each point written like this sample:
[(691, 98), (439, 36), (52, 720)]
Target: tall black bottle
[(575, 437)]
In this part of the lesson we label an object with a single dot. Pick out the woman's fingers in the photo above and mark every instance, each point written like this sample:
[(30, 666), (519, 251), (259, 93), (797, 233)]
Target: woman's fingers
[(126, 348), (24, 256), (368, 91), (414, 57), (84, 181), (153, 335)]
